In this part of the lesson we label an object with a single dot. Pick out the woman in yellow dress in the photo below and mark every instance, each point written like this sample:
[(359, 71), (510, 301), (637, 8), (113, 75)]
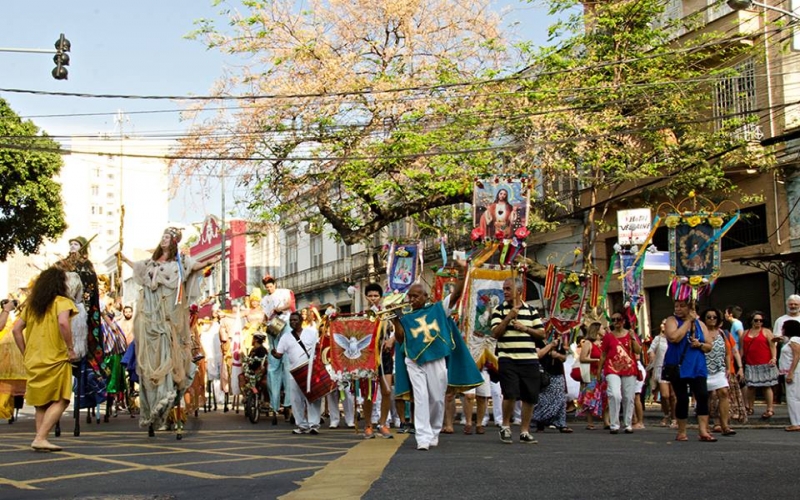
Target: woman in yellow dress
[(43, 334)]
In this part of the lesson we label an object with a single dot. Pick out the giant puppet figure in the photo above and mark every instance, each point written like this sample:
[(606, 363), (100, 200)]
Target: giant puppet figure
[(170, 282)]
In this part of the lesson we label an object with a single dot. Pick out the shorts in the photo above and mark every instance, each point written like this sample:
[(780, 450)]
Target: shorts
[(387, 363), (484, 390), (717, 381), (519, 381)]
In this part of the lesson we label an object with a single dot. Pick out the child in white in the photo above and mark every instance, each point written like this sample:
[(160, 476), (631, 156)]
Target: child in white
[(298, 347)]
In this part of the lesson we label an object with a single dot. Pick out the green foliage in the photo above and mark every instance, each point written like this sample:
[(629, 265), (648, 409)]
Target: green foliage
[(30, 200)]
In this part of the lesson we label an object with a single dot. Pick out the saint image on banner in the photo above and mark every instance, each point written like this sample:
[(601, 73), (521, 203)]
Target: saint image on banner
[(694, 255), (500, 207), (404, 267)]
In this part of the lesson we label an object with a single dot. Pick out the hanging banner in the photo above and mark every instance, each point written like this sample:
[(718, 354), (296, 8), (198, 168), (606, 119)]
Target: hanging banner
[(632, 274), (404, 267), (443, 284), (500, 207), (570, 291), (695, 249), (354, 347), (484, 291), (633, 226)]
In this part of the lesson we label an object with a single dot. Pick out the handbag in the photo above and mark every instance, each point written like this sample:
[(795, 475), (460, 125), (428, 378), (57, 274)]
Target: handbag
[(672, 373), (575, 373), (544, 378)]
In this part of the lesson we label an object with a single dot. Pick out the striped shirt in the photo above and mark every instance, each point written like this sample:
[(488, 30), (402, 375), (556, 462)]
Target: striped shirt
[(516, 345)]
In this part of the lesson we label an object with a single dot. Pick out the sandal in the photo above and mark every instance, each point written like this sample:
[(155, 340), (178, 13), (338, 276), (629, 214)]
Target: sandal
[(480, 430), (728, 432), (707, 438), (681, 437), (447, 430), (750, 411), (565, 430), (767, 414), (590, 427), (717, 429), (468, 429)]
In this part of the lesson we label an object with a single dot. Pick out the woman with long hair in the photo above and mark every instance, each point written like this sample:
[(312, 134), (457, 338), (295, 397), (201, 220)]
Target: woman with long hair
[(161, 328), (592, 398), (760, 363), (657, 351), (717, 366), (44, 336)]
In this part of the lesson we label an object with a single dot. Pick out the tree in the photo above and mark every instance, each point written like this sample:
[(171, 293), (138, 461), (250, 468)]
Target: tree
[(382, 125), (30, 199), (623, 106)]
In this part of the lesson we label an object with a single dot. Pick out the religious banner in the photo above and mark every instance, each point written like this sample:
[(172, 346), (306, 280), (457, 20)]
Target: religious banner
[(443, 284), (484, 293), (500, 207), (632, 276), (568, 292), (695, 249), (354, 344), (403, 266)]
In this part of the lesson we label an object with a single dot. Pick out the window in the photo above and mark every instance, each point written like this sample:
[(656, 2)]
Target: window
[(291, 252), (95, 190), (716, 9), (735, 99), (343, 251), (316, 250)]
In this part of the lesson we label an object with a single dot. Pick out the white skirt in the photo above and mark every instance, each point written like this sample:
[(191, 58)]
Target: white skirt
[(717, 381)]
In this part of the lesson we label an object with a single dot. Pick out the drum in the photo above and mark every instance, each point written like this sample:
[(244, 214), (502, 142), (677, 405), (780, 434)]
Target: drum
[(275, 326), (321, 382)]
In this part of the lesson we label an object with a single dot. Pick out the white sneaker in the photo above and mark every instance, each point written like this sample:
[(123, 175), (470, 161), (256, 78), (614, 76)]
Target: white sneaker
[(435, 442), (422, 447)]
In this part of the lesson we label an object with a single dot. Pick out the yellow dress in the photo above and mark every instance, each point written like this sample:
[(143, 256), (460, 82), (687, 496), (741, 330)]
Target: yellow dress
[(46, 358), (12, 371)]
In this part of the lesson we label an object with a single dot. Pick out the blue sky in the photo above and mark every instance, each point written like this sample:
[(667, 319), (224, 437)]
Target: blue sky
[(135, 48)]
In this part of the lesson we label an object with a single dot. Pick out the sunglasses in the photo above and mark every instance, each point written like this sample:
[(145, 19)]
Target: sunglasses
[(617, 318), (757, 320), (711, 317)]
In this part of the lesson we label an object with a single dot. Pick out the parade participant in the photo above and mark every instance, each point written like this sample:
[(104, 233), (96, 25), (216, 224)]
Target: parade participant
[(374, 294), (656, 352), (792, 313), (126, 323), (232, 325), (114, 346), (218, 317), (424, 338), (620, 349), (552, 406), (686, 352), (161, 327), (298, 346), (499, 216), (44, 337), (12, 368), (790, 366), (717, 367), (254, 318), (311, 317), (759, 357), (278, 304), (592, 399), (516, 325), (732, 315), (209, 339)]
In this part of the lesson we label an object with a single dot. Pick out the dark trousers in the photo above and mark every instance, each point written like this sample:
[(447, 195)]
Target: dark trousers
[(683, 388)]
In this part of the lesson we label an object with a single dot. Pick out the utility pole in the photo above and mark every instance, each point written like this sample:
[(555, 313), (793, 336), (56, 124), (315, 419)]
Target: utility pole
[(120, 119), (224, 285)]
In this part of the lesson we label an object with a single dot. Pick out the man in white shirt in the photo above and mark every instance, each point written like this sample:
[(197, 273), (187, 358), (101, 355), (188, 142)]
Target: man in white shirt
[(298, 348), (792, 312), (278, 303)]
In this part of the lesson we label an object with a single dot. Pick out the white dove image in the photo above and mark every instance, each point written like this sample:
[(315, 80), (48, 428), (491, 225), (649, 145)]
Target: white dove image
[(352, 346)]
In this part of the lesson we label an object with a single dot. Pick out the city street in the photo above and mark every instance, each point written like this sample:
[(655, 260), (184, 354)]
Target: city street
[(224, 456)]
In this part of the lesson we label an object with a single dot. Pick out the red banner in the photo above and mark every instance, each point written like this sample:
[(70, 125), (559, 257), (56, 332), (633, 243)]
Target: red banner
[(354, 347)]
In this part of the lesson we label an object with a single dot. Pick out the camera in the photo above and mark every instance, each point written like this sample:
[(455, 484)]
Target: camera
[(6, 301)]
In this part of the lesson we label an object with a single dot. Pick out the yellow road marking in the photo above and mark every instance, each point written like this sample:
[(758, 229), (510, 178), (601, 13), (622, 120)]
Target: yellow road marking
[(17, 484), (275, 472), (351, 475), (38, 462)]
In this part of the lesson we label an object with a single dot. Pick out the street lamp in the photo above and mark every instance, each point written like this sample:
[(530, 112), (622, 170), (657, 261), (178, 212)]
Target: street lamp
[(747, 4)]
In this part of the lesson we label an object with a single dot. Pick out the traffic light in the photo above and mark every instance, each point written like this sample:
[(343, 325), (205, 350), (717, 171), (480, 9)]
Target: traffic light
[(61, 58)]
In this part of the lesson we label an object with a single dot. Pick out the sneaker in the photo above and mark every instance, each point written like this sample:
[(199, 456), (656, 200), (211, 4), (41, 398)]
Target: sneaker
[(384, 432), (422, 447), (629, 430), (614, 431), (505, 435), (313, 432), (411, 429), (300, 431), (434, 442), (526, 437), (402, 428), (368, 433)]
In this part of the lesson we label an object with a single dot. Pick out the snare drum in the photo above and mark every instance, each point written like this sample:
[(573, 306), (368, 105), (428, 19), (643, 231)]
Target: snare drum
[(275, 326), (321, 382)]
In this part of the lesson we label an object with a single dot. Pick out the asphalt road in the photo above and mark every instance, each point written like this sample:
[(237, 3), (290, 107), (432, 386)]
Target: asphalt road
[(224, 456)]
